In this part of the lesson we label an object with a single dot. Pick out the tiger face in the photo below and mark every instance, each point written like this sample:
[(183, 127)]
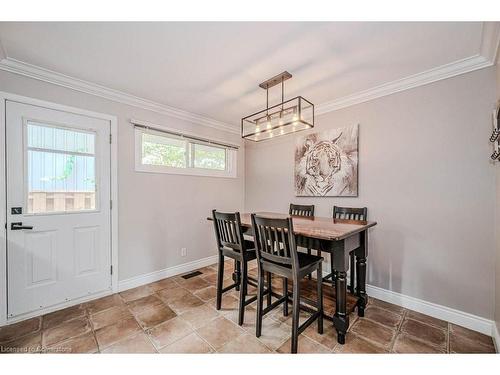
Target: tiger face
[(320, 163)]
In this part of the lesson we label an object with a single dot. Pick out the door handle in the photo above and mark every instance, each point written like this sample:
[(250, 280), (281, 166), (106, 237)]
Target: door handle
[(19, 226)]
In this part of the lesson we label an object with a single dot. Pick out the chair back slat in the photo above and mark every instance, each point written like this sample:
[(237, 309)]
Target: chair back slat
[(274, 240), (228, 230), (301, 210), (350, 213)]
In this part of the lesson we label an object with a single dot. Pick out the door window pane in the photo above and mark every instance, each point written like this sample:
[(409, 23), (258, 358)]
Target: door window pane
[(209, 157), (166, 151), (61, 173)]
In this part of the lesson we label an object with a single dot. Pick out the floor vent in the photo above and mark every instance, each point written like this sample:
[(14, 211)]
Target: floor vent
[(192, 274)]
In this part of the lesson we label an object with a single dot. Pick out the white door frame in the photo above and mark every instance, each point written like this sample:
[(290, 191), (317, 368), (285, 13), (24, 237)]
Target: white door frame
[(4, 96)]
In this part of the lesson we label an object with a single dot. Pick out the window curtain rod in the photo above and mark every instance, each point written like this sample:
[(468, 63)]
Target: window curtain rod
[(144, 125)]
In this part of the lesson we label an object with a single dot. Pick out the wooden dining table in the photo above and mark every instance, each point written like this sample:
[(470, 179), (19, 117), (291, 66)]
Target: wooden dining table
[(338, 237)]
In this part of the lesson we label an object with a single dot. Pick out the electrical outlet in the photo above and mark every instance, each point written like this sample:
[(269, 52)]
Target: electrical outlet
[(183, 252)]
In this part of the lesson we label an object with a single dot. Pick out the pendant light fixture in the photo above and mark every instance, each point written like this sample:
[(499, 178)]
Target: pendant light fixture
[(286, 117)]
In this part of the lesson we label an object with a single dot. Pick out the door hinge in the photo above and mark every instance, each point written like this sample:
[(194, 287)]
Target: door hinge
[(110, 138), (111, 269)]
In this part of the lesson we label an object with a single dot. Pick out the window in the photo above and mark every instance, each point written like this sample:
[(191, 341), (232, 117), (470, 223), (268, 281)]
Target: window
[(167, 153), (61, 174)]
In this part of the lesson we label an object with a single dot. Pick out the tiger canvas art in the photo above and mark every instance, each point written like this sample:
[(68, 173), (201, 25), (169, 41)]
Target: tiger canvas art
[(326, 163)]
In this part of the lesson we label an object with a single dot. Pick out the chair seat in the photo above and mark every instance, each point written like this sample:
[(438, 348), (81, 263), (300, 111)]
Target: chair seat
[(306, 262), (235, 254)]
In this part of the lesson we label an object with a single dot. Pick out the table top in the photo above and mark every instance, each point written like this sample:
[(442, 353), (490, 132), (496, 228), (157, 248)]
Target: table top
[(317, 227)]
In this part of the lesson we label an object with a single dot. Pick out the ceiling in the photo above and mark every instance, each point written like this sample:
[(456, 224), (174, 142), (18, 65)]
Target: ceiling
[(213, 69)]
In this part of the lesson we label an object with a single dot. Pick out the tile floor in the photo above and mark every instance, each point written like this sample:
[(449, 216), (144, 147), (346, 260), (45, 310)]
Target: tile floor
[(176, 315)]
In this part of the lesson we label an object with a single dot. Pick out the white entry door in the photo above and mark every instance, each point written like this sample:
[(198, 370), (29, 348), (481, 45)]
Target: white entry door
[(58, 207)]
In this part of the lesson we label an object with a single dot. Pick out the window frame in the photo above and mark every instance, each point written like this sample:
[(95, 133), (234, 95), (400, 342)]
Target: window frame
[(231, 158), (96, 155)]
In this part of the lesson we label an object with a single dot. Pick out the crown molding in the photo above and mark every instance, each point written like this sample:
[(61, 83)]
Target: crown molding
[(19, 67), (490, 37), (445, 71), (488, 51)]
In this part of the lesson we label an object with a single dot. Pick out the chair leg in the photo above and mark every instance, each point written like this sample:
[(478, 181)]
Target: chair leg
[(237, 274), (269, 288), (332, 269), (243, 292), (310, 275), (220, 278), (285, 294), (260, 301), (295, 315), (352, 275), (320, 300), (319, 275)]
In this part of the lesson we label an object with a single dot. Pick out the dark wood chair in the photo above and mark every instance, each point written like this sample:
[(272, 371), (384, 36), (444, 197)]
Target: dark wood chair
[(232, 244), (304, 211), (277, 253), (349, 213)]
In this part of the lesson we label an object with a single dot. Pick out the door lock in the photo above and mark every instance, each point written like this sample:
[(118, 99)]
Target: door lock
[(19, 226)]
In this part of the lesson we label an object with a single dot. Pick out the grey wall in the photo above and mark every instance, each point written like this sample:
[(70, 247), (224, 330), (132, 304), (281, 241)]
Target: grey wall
[(497, 284), (158, 213), (425, 176)]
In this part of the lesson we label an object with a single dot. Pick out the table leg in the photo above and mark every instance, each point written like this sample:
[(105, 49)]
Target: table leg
[(361, 274), (341, 319)]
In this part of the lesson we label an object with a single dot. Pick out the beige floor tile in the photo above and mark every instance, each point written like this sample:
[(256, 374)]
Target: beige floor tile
[(206, 294), (463, 340), (116, 332), (168, 295), (163, 284), (207, 271), (273, 334), (81, 344), (470, 334), (103, 303), (212, 279), (154, 316), (139, 343), (136, 293), (384, 317), (57, 317), (169, 332), (17, 330), (327, 339), (424, 332), (109, 317), (249, 317), (408, 344), (66, 330), (31, 343), (427, 319), (144, 303), (219, 332), (191, 344), (199, 316), (193, 284), (245, 343), (184, 304), (374, 332), (357, 345), (229, 303), (386, 305), (305, 346)]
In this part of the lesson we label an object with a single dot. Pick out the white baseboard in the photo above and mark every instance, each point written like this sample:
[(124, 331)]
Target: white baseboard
[(473, 322), (470, 321), (496, 337), (151, 277)]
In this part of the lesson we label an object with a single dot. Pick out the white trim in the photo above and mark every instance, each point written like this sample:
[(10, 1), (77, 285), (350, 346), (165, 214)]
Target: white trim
[(436, 74), (19, 67), (189, 170), (57, 307), (496, 337), (473, 322), (114, 194), (490, 36), (151, 277)]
